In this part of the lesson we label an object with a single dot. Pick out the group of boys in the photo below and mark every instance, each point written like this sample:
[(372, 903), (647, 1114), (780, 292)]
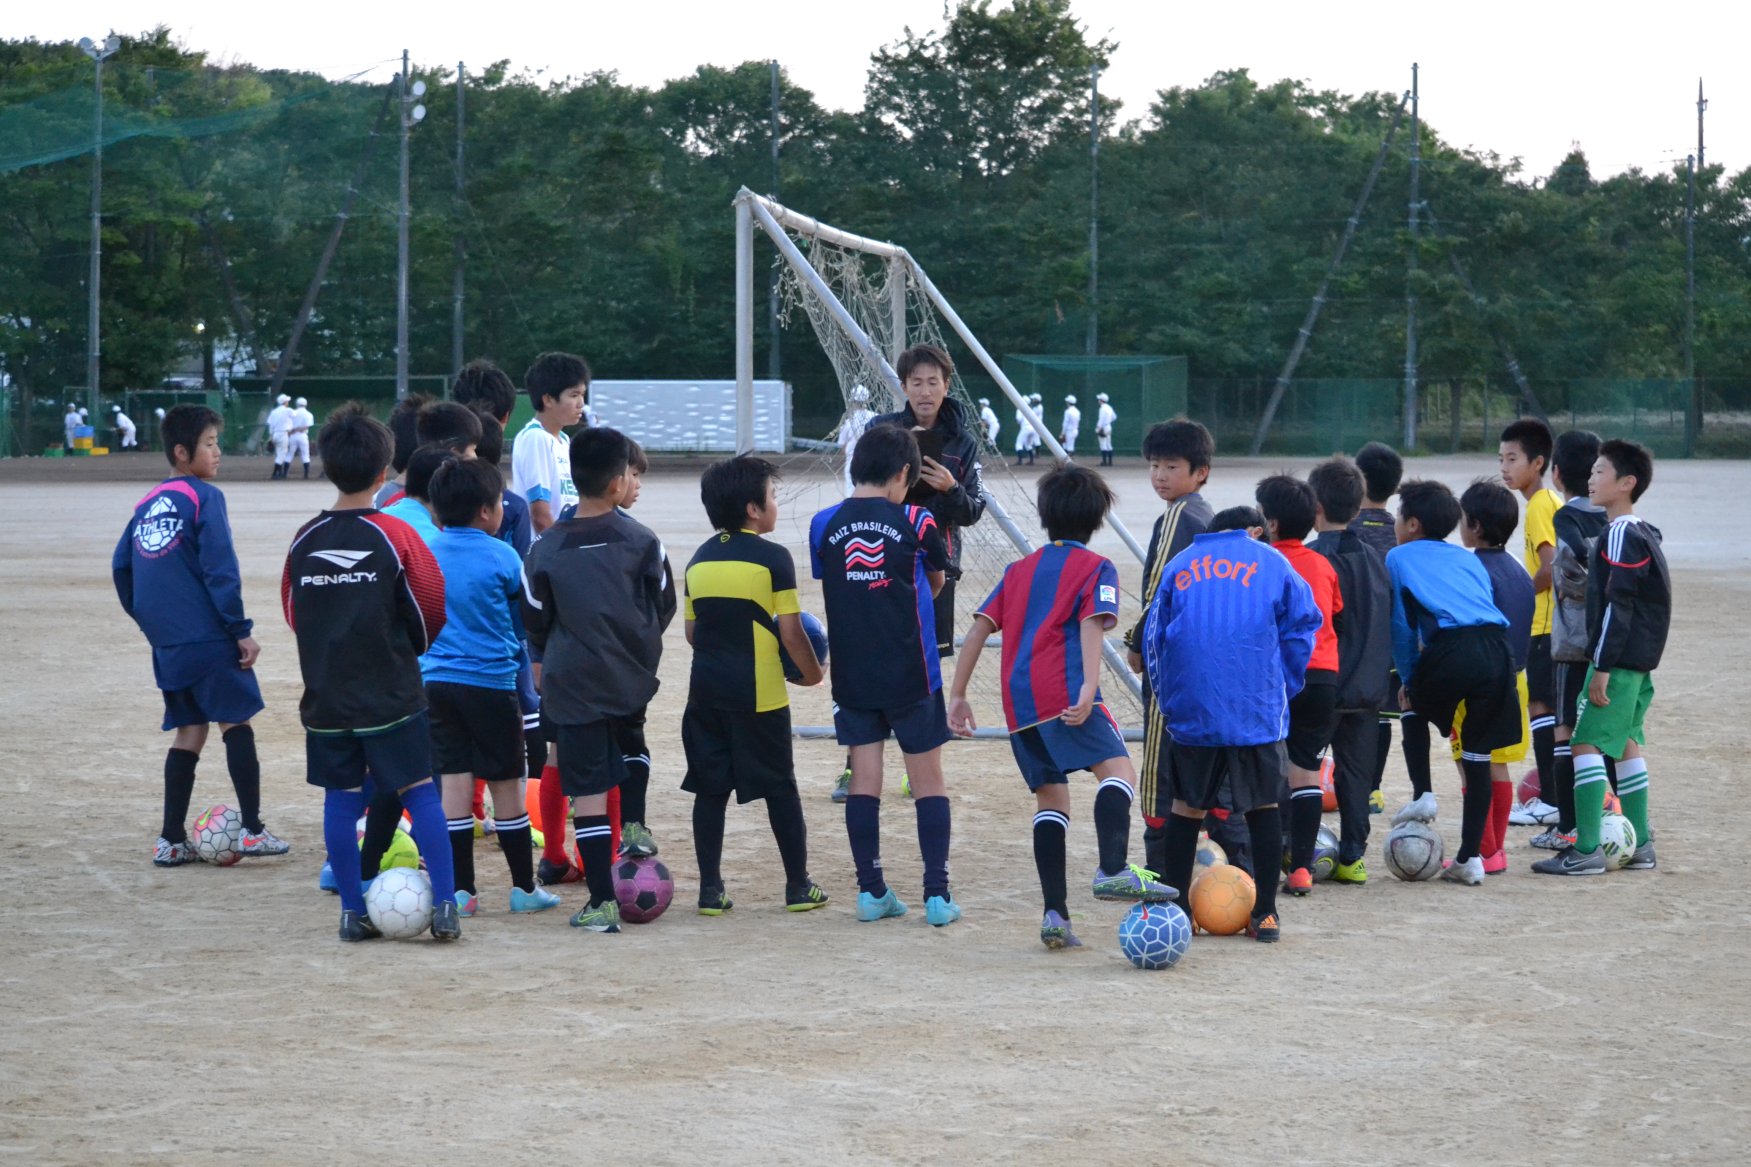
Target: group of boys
[(426, 627)]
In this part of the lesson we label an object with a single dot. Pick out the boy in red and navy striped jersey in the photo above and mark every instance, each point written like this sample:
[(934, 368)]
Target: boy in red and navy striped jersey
[(365, 598)]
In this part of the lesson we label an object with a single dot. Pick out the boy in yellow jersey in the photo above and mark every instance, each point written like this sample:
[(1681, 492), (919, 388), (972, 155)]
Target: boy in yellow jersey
[(741, 606), (1525, 457)]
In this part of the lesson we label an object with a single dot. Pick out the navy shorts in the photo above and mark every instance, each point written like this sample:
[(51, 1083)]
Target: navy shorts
[(590, 758), (391, 759), (1047, 753), (202, 683), (919, 728)]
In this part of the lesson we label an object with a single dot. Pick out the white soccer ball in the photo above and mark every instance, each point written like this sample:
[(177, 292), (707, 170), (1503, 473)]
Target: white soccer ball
[(1414, 851), (1617, 839), (399, 902), (218, 835)]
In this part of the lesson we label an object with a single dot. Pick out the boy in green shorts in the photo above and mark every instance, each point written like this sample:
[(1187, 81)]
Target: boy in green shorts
[(1629, 610)]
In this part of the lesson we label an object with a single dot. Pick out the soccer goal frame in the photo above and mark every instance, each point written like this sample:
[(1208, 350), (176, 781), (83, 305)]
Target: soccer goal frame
[(778, 222)]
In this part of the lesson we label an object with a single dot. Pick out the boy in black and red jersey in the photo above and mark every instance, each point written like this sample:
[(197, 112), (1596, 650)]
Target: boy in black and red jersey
[(365, 598)]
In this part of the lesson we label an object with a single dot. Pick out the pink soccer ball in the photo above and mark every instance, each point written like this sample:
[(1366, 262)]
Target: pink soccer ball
[(218, 835), (644, 889)]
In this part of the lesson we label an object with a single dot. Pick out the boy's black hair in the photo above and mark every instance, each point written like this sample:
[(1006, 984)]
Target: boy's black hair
[(491, 446), (448, 423), (1381, 469), (486, 386), (185, 426), (882, 452), (423, 465), (1337, 487), (923, 354), (355, 448), (1073, 502), (1627, 457), (404, 424), (1289, 501), (552, 374), (1573, 456), (598, 457), (1180, 438), (1238, 519), (637, 460), (1533, 438), (1431, 504), (1492, 510), (728, 488), (461, 487)]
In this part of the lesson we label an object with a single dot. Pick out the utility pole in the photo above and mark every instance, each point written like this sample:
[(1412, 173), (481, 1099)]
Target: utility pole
[(1693, 407), (1410, 291), (1094, 209), (1701, 105), (461, 251), (775, 364), (410, 113), (93, 327)]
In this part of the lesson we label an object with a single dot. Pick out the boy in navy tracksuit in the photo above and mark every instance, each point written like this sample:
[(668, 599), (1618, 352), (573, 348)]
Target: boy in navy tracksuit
[(1230, 599), (176, 574), (1450, 645)]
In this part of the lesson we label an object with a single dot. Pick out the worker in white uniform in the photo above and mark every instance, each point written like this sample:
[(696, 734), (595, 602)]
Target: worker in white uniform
[(988, 416), (1068, 428), (298, 436), (1103, 429), (280, 433), (128, 435)]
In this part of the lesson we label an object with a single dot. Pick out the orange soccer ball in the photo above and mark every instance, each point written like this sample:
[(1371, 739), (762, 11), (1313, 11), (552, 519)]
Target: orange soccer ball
[(1222, 898)]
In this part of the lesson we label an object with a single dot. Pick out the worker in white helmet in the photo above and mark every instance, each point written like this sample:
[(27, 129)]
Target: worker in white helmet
[(1103, 429), (988, 416), (70, 424), (857, 419), (1067, 429), (127, 435)]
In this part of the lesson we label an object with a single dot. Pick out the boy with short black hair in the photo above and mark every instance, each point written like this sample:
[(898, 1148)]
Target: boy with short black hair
[(1364, 634), (176, 574), (598, 599), (743, 616), (404, 426), (1290, 511), (365, 598), (1057, 605), (1450, 645), (1179, 453), (1525, 457), (1489, 518), (486, 388), (1578, 525), (470, 674), (881, 563), (451, 424), (1629, 613), (559, 388)]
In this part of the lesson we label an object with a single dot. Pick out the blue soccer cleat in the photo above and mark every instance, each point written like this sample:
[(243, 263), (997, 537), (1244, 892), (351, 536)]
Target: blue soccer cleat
[(538, 900), (940, 911), (878, 907)]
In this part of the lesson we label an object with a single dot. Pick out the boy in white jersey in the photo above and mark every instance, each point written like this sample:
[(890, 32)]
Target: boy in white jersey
[(558, 385)]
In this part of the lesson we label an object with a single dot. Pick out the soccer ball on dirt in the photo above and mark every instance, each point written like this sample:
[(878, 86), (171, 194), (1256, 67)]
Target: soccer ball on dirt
[(1222, 899), (1414, 851), (1155, 936), (1617, 839), (218, 835), (1210, 854), (1325, 854), (644, 889), (1529, 787), (399, 902)]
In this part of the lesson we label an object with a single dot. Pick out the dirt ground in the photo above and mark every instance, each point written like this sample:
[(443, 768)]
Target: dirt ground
[(201, 1014)]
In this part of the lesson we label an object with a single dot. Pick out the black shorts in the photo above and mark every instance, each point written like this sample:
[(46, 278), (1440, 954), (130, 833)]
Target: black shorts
[(919, 728), (728, 751), (476, 731), (944, 606), (590, 759), (1313, 716), (394, 759), (1571, 679), (1471, 665), (629, 735), (1247, 777), (1541, 672)]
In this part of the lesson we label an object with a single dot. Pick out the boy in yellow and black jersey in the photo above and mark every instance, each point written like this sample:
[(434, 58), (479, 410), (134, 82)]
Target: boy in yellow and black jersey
[(741, 607)]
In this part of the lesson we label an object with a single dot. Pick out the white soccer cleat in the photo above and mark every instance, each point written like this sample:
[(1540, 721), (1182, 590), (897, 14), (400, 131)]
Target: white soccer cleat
[(1419, 810), (1470, 873)]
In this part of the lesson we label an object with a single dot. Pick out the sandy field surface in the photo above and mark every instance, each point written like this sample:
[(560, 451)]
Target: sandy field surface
[(202, 1015)]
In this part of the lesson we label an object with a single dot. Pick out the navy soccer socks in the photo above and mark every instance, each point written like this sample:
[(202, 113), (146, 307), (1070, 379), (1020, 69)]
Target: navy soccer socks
[(863, 828), (933, 841)]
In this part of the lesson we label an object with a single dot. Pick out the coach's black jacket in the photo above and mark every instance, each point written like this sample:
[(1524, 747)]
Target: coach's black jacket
[(963, 504), (1364, 624), (1629, 598)]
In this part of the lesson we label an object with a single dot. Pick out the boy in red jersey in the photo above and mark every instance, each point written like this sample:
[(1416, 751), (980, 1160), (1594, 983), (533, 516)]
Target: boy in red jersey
[(1290, 509), (1057, 605)]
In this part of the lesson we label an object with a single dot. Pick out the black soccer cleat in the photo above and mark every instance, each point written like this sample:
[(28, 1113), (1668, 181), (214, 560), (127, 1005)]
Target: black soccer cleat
[(355, 926), (446, 921)]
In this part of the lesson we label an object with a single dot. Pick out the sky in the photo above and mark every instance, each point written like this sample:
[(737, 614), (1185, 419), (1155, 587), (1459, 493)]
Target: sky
[(1528, 79)]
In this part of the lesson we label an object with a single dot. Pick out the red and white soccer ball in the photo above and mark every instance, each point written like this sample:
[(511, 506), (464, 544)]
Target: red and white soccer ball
[(1529, 787), (218, 835)]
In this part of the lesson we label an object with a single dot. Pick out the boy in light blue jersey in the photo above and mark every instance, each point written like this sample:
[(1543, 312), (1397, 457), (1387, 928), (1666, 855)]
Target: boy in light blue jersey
[(470, 674)]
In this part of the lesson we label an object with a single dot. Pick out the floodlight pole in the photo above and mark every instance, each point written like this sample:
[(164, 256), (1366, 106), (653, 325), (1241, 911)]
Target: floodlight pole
[(401, 248), (1410, 290), (1094, 209), (94, 326), (456, 348), (1693, 404), (774, 357)]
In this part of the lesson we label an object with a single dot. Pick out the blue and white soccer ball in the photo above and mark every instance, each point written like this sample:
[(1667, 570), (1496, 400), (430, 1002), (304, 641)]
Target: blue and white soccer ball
[(399, 902), (817, 634), (1155, 936)]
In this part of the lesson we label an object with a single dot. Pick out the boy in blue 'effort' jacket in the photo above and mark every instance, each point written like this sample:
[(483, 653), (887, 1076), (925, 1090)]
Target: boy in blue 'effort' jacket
[(1226, 644)]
